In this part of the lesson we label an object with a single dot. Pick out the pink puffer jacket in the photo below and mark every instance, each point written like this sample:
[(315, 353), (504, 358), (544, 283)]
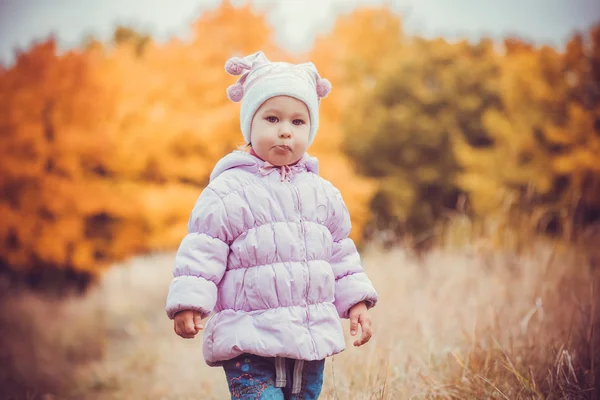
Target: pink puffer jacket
[(272, 259)]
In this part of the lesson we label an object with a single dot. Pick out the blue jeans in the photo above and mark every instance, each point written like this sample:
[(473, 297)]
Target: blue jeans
[(267, 378)]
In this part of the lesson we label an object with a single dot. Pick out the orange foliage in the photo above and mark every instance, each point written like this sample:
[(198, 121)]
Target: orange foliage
[(59, 205), (173, 118), (105, 150)]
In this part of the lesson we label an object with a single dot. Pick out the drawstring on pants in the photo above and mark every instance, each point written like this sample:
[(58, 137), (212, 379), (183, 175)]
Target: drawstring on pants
[(280, 374)]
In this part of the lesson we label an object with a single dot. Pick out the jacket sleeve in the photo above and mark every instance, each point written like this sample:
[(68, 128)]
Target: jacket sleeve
[(352, 285), (201, 259)]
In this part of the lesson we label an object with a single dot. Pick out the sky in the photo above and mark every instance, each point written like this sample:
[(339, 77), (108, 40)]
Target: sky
[(296, 22)]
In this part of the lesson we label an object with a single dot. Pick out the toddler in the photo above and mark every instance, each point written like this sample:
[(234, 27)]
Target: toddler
[(267, 247)]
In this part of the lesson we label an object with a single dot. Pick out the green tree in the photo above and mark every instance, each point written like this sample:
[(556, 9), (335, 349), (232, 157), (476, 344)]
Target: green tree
[(402, 131), (351, 58), (124, 35)]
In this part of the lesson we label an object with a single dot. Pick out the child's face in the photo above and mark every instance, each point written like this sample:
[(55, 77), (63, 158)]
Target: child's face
[(280, 130)]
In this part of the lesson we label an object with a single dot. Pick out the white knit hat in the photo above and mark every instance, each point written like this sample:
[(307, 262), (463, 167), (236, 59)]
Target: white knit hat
[(262, 79)]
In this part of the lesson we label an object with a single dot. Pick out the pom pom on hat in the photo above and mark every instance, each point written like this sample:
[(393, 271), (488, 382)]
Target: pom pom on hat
[(323, 87), (236, 66), (235, 92)]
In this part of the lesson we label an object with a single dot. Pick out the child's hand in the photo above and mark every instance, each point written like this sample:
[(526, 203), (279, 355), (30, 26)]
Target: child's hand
[(360, 315), (188, 323)]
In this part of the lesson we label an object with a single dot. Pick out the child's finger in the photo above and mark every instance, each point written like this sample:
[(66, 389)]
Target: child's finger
[(365, 327), (198, 321), (190, 329), (353, 324), (180, 329)]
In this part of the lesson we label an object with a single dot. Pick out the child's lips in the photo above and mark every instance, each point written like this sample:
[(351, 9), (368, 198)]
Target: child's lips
[(283, 147)]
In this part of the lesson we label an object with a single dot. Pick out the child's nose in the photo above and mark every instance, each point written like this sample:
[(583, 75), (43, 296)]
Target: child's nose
[(285, 132)]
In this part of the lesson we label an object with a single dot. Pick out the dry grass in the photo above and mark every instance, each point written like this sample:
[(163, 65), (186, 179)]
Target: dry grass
[(453, 326), (43, 339)]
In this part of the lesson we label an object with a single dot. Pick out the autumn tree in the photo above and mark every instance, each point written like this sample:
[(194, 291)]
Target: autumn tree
[(350, 58), (59, 208), (105, 149), (545, 153), (576, 161), (173, 118), (402, 130), (104, 152), (514, 162)]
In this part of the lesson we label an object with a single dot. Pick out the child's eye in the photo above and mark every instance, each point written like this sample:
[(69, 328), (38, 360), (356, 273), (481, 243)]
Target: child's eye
[(272, 119), (298, 122)]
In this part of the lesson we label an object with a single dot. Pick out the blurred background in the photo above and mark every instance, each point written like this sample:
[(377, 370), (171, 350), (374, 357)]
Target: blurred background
[(464, 136)]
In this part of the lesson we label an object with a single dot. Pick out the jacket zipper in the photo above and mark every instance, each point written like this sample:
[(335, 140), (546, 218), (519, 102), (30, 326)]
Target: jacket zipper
[(305, 257)]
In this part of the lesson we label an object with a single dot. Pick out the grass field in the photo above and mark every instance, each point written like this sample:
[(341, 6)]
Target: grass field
[(454, 325)]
